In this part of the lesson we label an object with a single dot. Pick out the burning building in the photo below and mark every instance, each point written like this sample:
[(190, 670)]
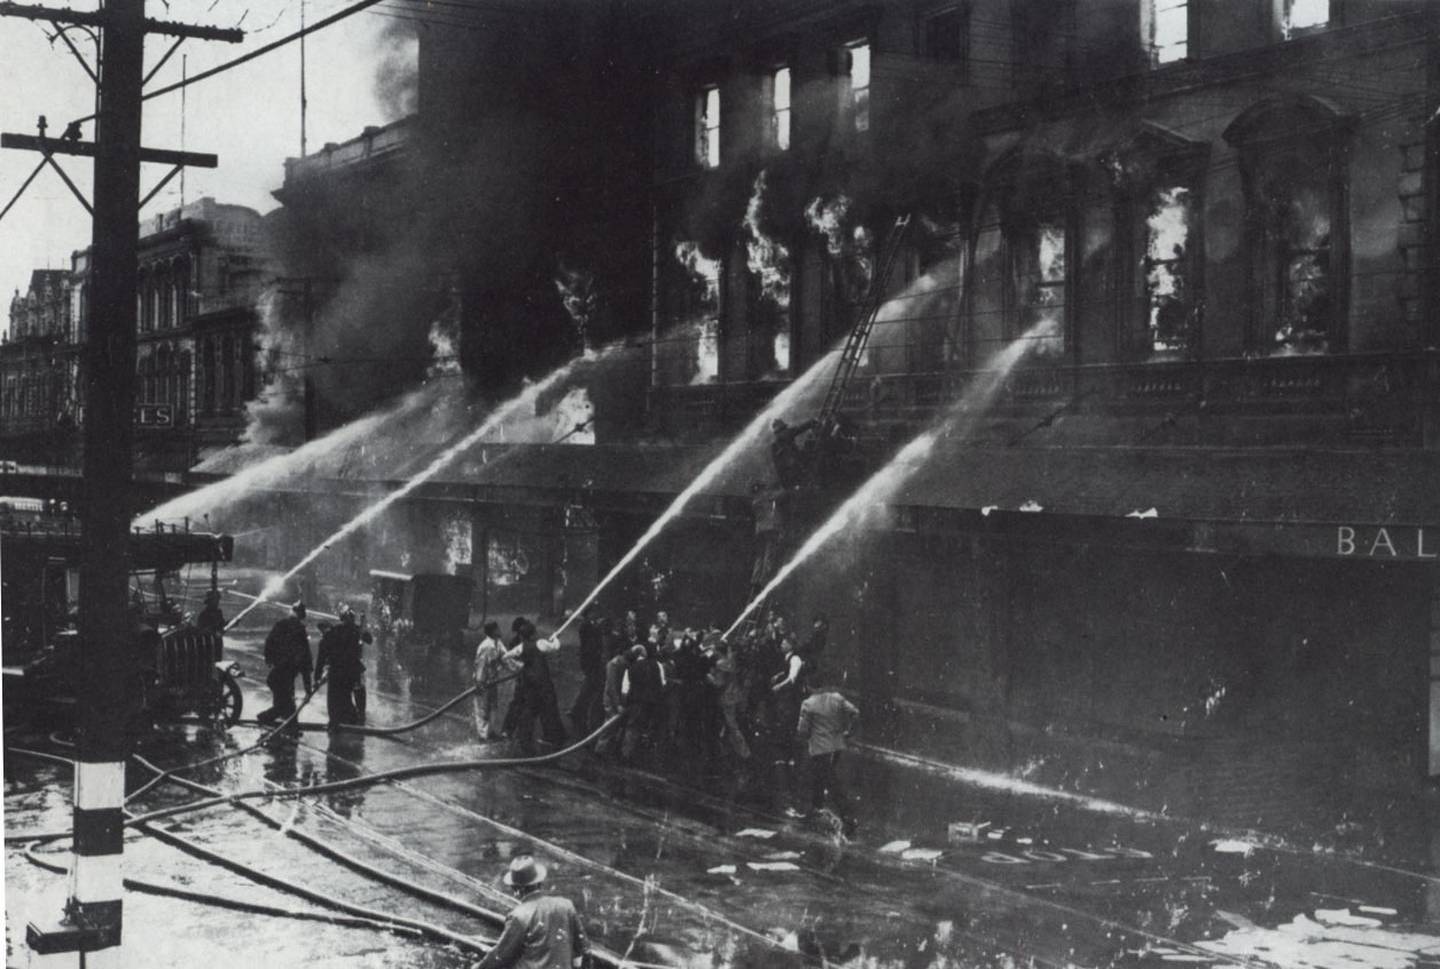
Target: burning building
[(1181, 550)]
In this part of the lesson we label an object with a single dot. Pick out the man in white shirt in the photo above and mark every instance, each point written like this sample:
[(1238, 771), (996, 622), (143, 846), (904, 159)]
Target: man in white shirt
[(826, 721), (491, 664)]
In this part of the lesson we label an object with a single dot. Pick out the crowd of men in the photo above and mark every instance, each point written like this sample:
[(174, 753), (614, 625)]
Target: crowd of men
[(758, 705)]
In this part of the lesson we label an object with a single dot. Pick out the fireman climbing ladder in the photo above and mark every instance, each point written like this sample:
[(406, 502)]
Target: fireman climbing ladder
[(859, 337)]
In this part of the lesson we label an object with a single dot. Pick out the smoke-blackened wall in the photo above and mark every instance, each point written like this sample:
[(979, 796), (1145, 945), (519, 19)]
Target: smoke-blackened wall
[(521, 168), (537, 120)]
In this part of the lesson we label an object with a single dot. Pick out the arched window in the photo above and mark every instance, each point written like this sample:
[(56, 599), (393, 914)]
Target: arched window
[(1022, 256), (207, 388), (163, 295), (227, 374), (162, 372), (1158, 176), (181, 292), (182, 385), (1293, 165)]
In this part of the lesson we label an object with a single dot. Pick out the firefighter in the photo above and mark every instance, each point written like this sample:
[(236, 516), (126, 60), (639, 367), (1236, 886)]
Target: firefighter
[(586, 712), (535, 695), (788, 453), (339, 651), (211, 619), (287, 652)]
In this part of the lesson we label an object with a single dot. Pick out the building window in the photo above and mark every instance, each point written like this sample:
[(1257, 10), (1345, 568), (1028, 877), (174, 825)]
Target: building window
[(1165, 25), (707, 127), (699, 308), (165, 302), (1293, 165), (1041, 282), (1298, 17), (780, 108), (206, 392), (856, 91), (227, 374), (947, 36)]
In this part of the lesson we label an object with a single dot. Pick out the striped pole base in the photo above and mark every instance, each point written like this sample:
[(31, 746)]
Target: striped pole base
[(87, 933)]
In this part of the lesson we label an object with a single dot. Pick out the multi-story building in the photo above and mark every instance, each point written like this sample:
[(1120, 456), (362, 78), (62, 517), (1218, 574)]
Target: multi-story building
[(202, 274), (39, 367), (1169, 286), (1198, 520)]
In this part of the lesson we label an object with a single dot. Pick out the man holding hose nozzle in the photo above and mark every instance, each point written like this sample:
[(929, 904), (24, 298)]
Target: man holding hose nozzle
[(287, 652), (542, 932), (340, 649)]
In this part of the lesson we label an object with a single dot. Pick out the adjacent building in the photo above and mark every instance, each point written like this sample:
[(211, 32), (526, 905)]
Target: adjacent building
[(203, 273)]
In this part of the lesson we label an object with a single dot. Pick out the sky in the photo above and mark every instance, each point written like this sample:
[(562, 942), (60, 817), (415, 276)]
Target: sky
[(248, 116)]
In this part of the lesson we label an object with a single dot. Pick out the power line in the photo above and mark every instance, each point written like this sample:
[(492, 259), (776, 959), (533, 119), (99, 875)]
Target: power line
[(257, 52)]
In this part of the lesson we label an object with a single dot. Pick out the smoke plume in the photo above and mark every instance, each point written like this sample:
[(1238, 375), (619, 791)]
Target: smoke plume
[(397, 87)]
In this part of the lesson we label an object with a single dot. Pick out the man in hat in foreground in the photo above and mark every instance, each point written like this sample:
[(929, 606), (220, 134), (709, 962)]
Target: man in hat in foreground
[(543, 931), (287, 652)]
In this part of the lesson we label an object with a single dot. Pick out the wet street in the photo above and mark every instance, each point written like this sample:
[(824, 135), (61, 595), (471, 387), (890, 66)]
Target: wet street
[(682, 867)]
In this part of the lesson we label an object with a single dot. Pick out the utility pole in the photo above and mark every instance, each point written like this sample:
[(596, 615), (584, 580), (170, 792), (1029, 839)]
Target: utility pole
[(87, 931)]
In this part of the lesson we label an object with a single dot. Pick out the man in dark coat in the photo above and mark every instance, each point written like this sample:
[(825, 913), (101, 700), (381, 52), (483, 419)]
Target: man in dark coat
[(535, 694), (787, 451), (287, 652), (543, 932), (644, 704), (339, 651), (585, 712), (211, 619)]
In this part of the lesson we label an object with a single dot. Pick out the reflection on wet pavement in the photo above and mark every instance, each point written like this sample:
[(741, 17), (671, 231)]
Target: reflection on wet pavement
[(690, 869)]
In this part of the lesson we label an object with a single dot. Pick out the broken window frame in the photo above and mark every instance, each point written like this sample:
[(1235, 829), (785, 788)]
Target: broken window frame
[(1037, 198), (1155, 161), (1282, 16), (855, 98), (1286, 143), (781, 128), (945, 36), (1152, 17), (708, 107)]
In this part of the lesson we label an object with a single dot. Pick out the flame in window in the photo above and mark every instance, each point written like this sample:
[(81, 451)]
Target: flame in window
[(1167, 238)]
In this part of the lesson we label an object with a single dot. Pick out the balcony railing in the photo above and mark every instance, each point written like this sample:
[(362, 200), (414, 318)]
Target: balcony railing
[(1364, 397)]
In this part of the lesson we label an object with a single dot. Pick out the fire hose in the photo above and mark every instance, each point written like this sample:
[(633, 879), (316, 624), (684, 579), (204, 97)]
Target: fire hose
[(398, 728), (354, 915), (359, 915), (265, 738), (331, 787)]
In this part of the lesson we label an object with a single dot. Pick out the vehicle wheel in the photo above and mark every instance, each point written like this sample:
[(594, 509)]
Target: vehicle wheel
[(225, 702)]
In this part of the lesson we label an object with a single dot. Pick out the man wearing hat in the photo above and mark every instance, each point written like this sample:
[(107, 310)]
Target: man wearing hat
[(543, 931), (287, 652)]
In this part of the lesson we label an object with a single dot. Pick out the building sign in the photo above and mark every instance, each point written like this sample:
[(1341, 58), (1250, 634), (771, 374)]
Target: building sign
[(1386, 542), (155, 416), (1356, 543)]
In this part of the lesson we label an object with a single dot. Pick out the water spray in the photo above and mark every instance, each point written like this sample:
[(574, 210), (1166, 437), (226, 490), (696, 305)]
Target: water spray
[(278, 468), (879, 488), (503, 413), (810, 381)]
